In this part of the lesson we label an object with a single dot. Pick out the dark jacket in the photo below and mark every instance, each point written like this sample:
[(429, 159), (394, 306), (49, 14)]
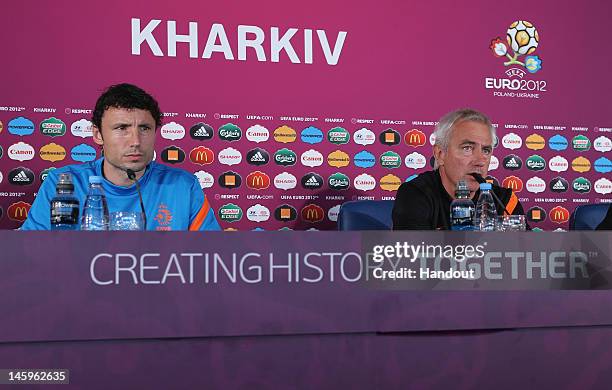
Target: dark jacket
[(424, 204), (606, 224)]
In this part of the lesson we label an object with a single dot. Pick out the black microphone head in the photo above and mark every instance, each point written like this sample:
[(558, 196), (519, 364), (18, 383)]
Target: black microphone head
[(130, 174), (478, 177)]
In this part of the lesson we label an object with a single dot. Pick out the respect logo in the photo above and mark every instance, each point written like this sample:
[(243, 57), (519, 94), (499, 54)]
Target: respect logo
[(522, 40)]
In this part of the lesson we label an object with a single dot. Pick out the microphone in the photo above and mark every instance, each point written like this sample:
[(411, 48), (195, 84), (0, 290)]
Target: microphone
[(132, 176), (478, 177)]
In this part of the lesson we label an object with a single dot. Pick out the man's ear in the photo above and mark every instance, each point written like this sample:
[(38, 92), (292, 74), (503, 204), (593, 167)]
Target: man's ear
[(439, 154), (97, 135)]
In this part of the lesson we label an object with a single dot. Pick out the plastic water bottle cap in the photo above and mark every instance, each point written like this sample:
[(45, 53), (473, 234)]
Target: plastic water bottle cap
[(65, 178), (462, 186), (485, 186), (95, 179)]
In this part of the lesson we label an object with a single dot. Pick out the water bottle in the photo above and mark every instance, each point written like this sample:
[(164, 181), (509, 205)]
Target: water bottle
[(95, 211), (486, 213), (64, 206), (462, 208)]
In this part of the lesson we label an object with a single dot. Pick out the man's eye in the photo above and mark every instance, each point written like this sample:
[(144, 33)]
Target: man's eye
[(487, 150), (468, 148)]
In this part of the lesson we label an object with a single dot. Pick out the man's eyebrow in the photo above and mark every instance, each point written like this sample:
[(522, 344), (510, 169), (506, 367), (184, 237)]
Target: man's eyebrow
[(127, 124), (117, 124), (468, 142)]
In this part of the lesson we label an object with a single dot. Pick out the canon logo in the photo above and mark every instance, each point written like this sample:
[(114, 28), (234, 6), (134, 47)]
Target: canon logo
[(365, 182)]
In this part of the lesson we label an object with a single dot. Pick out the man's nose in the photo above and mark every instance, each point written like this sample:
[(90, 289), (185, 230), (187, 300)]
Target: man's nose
[(480, 157), (134, 137)]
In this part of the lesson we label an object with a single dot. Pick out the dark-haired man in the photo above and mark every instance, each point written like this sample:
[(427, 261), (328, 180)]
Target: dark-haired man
[(124, 121)]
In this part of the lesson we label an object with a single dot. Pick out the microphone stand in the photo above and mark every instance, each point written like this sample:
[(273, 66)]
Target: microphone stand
[(132, 176)]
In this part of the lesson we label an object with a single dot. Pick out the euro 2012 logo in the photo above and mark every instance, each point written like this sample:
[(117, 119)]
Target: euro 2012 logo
[(523, 40)]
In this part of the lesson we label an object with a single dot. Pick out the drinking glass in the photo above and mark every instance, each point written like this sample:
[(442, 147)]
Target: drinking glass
[(511, 223), (126, 220)]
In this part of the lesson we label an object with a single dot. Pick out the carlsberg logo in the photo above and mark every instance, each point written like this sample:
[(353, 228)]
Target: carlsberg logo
[(232, 133)]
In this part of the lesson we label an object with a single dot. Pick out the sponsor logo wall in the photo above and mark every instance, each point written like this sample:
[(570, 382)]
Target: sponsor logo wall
[(253, 178), (290, 157)]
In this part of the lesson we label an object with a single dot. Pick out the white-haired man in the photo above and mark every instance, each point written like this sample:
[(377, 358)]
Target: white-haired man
[(464, 145)]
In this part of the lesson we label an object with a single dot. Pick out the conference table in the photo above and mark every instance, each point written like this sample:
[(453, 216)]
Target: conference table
[(184, 310)]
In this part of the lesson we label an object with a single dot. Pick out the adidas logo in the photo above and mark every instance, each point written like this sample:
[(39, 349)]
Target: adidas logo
[(312, 182), (512, 163), (201, 132), (258, 157), (21, 176), (558, 185)]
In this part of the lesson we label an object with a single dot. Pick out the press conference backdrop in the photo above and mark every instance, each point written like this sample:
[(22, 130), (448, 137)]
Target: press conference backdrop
[(283, 112)]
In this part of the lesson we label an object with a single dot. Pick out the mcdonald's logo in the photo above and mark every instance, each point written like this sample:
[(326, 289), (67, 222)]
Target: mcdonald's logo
[(201, 155), (514, 183), (258, 180), (415, 138), (312, 213), (559, 214), (18, 211)]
